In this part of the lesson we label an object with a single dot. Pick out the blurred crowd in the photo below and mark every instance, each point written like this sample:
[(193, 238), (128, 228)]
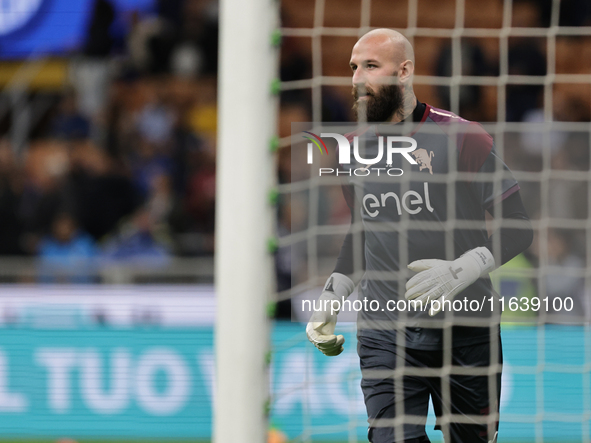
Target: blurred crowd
[(121, 166)]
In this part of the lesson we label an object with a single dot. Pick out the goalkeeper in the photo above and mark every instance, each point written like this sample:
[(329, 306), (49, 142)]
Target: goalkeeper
[(434, 224)]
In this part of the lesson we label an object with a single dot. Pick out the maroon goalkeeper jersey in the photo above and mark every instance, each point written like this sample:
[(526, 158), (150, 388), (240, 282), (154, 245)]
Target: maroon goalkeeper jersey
[(431, 208)]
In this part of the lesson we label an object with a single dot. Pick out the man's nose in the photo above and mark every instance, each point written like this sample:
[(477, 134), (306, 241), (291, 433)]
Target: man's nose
[(358, 78)]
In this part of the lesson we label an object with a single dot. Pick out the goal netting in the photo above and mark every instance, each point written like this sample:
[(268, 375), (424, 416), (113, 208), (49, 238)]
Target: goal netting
[(523, 70)]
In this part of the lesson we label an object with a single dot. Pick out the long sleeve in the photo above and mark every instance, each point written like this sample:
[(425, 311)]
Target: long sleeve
[(515, 239), (348, 261)]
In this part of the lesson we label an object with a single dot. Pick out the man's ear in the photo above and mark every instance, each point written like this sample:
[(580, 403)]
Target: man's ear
[(406, 70)]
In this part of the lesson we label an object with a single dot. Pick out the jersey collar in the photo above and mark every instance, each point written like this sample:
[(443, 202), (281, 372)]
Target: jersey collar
[(417, 118)]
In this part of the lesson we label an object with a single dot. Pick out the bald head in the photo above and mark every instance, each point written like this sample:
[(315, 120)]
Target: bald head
[(390, 41)]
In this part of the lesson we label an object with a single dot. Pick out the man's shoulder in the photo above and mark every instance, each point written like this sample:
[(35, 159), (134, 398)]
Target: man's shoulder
[(452, 123), (473, 142), (443, 116), (438, 115)]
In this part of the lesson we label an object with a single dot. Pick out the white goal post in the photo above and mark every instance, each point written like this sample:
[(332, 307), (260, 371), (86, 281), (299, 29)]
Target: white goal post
[(244, 275)]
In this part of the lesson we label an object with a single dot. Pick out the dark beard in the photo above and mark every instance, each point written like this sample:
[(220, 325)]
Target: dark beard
[(380, 106)]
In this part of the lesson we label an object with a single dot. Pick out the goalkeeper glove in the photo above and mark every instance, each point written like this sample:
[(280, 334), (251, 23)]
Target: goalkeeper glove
[(320, 328), (445, 279)]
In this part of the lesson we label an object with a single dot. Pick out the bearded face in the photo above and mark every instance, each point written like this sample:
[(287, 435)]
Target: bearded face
[(380, 105)]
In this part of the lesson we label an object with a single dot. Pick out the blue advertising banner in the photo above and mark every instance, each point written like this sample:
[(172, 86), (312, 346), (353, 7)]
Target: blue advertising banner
[(96, 383), (42, 27), (158, 383)]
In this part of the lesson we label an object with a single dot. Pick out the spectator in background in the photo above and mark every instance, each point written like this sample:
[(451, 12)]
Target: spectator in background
[(473, 64), (138, 241), (90, 74), (67, 254), (149, 43), (155, 122), (69, 123), (567, 150), (172, 11), (182, 39), (565, 109), (196, 49), (164, 132), (561, 279), (152, 154), (199, 203), (187, 147), (44, 195), (525, 58), (296, 64), (11, 188), (536, 142), (147, 163), (575, 13), (98, 38), (161, 199), (191, 218), (98, 190)]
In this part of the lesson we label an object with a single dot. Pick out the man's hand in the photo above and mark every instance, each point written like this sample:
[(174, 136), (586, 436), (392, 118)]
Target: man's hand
[(320, 329), (442, 278)]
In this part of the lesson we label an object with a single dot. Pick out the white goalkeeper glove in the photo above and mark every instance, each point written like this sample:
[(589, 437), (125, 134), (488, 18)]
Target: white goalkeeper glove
[(445, 279), (320, 328)]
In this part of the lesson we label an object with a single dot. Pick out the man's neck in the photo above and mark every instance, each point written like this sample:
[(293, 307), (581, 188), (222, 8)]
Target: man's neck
[(409, 103)]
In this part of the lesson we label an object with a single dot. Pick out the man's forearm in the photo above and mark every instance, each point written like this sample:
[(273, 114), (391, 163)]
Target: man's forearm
[(351, 260), (515, 239)]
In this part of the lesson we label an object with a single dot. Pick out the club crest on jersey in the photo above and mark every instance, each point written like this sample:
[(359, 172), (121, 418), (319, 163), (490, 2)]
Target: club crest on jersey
[(423, 159)]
